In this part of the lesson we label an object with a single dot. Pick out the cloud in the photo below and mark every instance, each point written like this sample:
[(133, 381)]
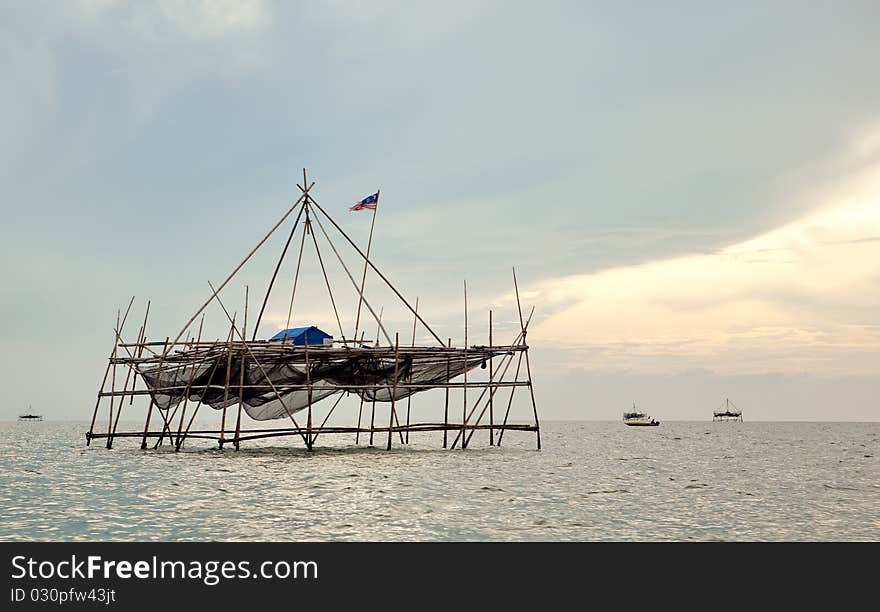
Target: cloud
[(798, 298), (193, 19)]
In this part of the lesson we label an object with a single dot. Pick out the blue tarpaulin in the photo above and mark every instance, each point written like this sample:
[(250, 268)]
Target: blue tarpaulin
[(303, 335)]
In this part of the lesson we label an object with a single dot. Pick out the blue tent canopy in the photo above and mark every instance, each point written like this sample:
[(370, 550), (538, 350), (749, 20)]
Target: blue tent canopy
[(303, 335)]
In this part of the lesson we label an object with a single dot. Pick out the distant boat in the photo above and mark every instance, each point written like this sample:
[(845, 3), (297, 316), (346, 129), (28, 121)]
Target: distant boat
[(30, 416), (727, 412), (639, 419)]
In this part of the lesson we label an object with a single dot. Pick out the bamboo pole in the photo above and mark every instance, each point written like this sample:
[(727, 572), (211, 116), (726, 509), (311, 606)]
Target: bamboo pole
[(510, 400), (113, 385), (275, 274), (357, 436), (373, 409), (180, 440), (376, 270), (188, 388), (446, 408), (492, 391), (152, 398), (464, 389), (226, 387), (366, 259), (394, 388), (238, 267), (309, 384), (497, 384), (259, 365), (409, 397), (241, 374), (140, 350), (372, 420), (302, 244), (167, 420), (528, 368), (326, 281), (91, 431), (353, 282)]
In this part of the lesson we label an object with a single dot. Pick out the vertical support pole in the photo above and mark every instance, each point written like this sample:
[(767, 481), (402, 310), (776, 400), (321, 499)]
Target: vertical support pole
[(116, 335), (357, 435), (357, 321), (373, 412), (226, 384), (394, 387), (113, 381), (372, 419), (446, 407), (464, 389), (100, 391), (528, 368), (152, 399), (241, 374), (491, 390), (142, 339), (188, 388), (409, 395), (309, 384)]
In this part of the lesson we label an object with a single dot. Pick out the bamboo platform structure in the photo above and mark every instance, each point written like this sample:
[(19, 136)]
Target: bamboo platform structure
[(245, 381)]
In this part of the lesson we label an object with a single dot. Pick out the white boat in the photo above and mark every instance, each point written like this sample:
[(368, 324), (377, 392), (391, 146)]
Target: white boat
[(639, 419)]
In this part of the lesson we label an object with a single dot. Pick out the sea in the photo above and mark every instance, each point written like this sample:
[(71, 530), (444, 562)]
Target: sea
[(591, 481)]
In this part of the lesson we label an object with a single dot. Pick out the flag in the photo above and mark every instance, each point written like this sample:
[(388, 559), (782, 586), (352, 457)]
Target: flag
[(368, 202)]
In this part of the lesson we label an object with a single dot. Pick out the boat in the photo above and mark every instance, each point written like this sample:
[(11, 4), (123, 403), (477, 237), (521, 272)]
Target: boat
[(30, 416), (639, 419), (727, 412)]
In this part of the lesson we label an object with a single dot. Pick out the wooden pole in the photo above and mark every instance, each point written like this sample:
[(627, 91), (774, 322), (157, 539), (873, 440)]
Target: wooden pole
[(464, 389), (528, 368), (302, 245), (226, 385), (492, 391), (409, 397), (373, 408), (309, 385), (107, 371), (357, 435), (372, 419), (366, 259), (237, 268), (113, 385), (188, 388), (376, 270), (181, 440), (509, 401), (326, 279), (131, 370), (241, 374), (275, 274), (152, 399), (351, 278), (446, 407), (394, 387)]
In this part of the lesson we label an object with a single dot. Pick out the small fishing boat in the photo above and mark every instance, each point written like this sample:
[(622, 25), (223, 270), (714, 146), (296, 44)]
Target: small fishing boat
[(639, 419), (30, 416), (727, 412)]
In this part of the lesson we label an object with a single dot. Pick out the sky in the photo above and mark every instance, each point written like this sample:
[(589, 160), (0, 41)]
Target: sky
[(689, 191)]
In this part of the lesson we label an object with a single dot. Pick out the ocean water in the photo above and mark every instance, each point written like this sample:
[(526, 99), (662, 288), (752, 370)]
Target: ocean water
[(592, 481)]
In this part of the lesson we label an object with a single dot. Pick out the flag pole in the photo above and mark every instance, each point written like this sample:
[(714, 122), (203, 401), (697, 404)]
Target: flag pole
[(357, 322)]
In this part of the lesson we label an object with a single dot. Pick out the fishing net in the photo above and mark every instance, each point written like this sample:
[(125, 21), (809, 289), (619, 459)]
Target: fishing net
[(275, 386)]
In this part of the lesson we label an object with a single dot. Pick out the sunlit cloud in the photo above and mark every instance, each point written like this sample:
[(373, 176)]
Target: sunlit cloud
[(802, 298)]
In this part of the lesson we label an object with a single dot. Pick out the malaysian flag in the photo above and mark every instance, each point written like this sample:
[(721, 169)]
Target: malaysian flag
[(368, 202)]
